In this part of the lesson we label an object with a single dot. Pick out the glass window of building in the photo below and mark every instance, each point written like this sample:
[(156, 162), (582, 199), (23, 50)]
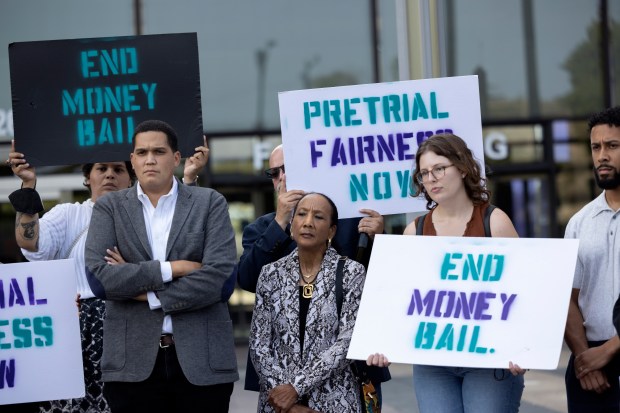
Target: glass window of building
[(250, 51), (533, 58)]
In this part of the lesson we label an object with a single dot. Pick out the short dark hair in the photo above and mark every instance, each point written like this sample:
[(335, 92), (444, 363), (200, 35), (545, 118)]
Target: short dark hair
[(88, 167), (334, 214), (157, 126), (455, 149), (609, 116)]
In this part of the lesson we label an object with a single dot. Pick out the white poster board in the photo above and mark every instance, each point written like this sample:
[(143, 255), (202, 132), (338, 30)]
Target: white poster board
[(464, 301), (357, 144), (40, 348)]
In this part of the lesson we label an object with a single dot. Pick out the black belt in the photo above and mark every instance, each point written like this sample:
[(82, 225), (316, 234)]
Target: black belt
[(166, 340)]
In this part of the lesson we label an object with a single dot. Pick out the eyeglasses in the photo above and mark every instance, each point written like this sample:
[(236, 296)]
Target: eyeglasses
[(438, 172), (274, 173)]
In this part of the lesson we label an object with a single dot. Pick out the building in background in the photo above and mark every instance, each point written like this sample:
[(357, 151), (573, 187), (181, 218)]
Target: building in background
[(543, 68)]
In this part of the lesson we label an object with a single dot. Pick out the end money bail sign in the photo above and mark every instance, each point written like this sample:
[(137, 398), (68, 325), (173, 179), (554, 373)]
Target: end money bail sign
[(79, 101), (40, 349), (357, 144), (469, 302)]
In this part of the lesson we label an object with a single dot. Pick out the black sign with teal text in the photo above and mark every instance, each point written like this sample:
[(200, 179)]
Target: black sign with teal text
[(78, 101)]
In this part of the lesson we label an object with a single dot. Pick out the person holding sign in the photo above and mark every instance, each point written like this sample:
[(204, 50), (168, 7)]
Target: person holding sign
[(61, 233), (168, 341), (594, 366), (298, 344), (268, 239), (449, 177)]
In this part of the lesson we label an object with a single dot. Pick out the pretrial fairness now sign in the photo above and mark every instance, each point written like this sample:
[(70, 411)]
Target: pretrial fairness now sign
[(357, 144), (463, 301), (40, 349)]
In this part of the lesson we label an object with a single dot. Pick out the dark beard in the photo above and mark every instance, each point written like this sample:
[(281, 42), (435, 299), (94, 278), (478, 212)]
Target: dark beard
[(612, 182)]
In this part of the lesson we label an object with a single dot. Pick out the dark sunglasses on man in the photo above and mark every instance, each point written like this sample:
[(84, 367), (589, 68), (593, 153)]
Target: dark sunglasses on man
[(274, 173)]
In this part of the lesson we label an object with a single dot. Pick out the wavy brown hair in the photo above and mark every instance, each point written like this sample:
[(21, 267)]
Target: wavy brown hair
[(456, 150)]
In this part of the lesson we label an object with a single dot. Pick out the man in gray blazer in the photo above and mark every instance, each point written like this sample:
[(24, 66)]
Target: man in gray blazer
[(159, 254)]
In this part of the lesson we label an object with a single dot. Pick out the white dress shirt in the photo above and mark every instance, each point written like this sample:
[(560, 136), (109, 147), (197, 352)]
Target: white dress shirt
[(158, 221)]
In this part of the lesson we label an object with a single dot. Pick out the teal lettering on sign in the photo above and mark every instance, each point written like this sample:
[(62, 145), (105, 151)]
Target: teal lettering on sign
[(3, 346), (359, 187), (483, 267), (101, 63), (118, 99), (427, 338), (23, 333), (109, 130), (382, 183), (391, 108), (101, 99)]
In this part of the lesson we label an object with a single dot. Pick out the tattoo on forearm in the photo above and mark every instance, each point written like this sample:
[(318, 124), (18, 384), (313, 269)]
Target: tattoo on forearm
[(30, 230)]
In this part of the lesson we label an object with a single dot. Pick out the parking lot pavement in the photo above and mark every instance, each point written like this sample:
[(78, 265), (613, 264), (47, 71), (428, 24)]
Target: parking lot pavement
[(544, 389)]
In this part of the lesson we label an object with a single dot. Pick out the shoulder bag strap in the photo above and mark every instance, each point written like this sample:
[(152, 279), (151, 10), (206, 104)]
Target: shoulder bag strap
[(339, 277), (487, 220), (419, 228)]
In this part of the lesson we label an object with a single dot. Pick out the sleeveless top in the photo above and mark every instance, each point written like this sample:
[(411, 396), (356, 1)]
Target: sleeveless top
[(474, 228)]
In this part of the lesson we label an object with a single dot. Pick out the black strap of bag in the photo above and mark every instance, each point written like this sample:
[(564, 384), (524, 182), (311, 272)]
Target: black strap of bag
[(339, 277), (368, 396), (486, 221)]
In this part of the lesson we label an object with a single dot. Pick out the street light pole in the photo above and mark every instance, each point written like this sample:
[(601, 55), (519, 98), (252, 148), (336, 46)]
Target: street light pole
[(261, 63)]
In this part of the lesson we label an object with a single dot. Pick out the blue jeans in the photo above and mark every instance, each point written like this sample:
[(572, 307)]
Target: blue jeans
[(466, 390)]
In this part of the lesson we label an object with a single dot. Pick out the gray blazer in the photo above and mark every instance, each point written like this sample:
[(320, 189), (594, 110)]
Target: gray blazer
[(201, 231)]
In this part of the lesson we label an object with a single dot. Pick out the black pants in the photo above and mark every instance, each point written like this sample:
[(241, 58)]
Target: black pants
[(584, 401), (167, 391), (20, 408)]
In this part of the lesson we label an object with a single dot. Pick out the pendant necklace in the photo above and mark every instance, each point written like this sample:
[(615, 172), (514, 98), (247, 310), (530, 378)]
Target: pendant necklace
[(308, 287), (307, 290)]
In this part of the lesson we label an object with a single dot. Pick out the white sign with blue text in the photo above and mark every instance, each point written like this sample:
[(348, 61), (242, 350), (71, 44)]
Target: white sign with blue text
[(465, 301), (40, 349), (357, 144)]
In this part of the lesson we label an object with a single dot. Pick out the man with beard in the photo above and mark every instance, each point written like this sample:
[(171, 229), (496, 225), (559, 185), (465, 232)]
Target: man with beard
[(592, 373)]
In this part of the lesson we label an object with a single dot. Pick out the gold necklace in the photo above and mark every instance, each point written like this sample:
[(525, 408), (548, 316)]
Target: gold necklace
[(308, 287), (307, 291)]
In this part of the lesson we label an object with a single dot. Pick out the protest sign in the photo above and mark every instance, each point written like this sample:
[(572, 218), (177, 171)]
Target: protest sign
[(357, 144), (466, 301), (40, 349), (79, 101)]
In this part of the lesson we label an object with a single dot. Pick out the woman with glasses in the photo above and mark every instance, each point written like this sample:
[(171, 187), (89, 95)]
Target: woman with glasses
[(449, 177)]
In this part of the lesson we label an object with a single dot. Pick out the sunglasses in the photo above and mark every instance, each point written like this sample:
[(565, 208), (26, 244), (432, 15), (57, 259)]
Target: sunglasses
[(274, 173)]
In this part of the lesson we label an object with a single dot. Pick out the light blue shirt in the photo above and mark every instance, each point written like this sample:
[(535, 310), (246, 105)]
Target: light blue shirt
[(597, 273)]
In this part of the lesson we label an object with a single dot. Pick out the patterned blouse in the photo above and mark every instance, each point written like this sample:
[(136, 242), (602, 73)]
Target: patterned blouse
[(321, 371)]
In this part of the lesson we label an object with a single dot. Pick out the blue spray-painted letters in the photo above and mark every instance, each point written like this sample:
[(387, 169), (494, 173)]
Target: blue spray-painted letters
[(7, 373), (12, 293)]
